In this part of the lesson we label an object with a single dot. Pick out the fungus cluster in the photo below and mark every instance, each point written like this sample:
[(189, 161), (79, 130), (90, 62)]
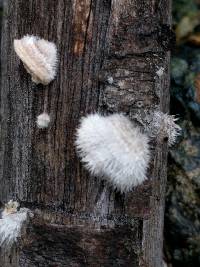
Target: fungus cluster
[(111, 147), (40, 58)]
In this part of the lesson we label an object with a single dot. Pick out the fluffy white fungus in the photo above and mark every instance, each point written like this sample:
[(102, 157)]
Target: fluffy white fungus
[(43, 120), (39, 57), (112, 147), (11, 223), (164, 125)]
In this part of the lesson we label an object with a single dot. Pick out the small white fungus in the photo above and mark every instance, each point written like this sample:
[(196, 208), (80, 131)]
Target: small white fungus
[(164, 125), (160, 71), (110, 80), (43, 120)]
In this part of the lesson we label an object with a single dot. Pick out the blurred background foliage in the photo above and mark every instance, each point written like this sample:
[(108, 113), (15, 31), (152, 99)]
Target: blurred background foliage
[(182, 217)]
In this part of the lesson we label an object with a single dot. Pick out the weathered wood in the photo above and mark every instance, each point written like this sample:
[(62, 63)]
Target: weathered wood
[(79, 220)]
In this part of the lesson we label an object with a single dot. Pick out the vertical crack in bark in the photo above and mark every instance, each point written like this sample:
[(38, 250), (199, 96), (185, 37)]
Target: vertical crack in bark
[(82, 10)]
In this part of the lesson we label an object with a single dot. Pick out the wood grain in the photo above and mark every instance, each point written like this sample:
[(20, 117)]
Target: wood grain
[(79, 220)]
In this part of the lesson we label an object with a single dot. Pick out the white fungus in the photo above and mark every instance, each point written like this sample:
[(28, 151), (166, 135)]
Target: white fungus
[(110, 80), (160, 71), (39, 57), (11, 223), (113, 148), (43, 120), (164, 125)]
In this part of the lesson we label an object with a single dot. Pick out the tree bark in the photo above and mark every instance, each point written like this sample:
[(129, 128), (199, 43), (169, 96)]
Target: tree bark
[(78, 219)]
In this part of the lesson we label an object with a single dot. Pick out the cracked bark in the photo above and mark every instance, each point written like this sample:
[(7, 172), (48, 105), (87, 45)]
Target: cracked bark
[(109, 54)]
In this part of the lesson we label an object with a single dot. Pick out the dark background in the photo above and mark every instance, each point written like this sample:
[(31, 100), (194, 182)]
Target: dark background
[(182, 216)]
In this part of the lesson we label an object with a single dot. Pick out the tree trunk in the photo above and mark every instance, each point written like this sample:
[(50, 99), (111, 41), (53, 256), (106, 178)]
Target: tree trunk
[(78, 219)]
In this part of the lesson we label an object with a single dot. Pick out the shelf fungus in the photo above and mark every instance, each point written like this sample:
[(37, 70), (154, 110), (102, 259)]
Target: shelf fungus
[(12, 222), (114, 148), (39, 57), (43, 120)]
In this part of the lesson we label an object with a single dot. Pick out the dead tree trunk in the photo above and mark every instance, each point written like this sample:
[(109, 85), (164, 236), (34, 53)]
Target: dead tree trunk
[(79, 220)]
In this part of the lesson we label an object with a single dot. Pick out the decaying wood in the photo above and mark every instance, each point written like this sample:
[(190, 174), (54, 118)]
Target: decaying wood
[(110, 51)]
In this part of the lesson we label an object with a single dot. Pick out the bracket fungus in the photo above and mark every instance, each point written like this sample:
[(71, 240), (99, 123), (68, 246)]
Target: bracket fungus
[(39, 57), (112, 147)]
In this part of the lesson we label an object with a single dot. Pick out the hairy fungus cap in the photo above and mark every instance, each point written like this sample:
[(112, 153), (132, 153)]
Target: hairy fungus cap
[(12, 223), (113, 148), (39, 57)]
